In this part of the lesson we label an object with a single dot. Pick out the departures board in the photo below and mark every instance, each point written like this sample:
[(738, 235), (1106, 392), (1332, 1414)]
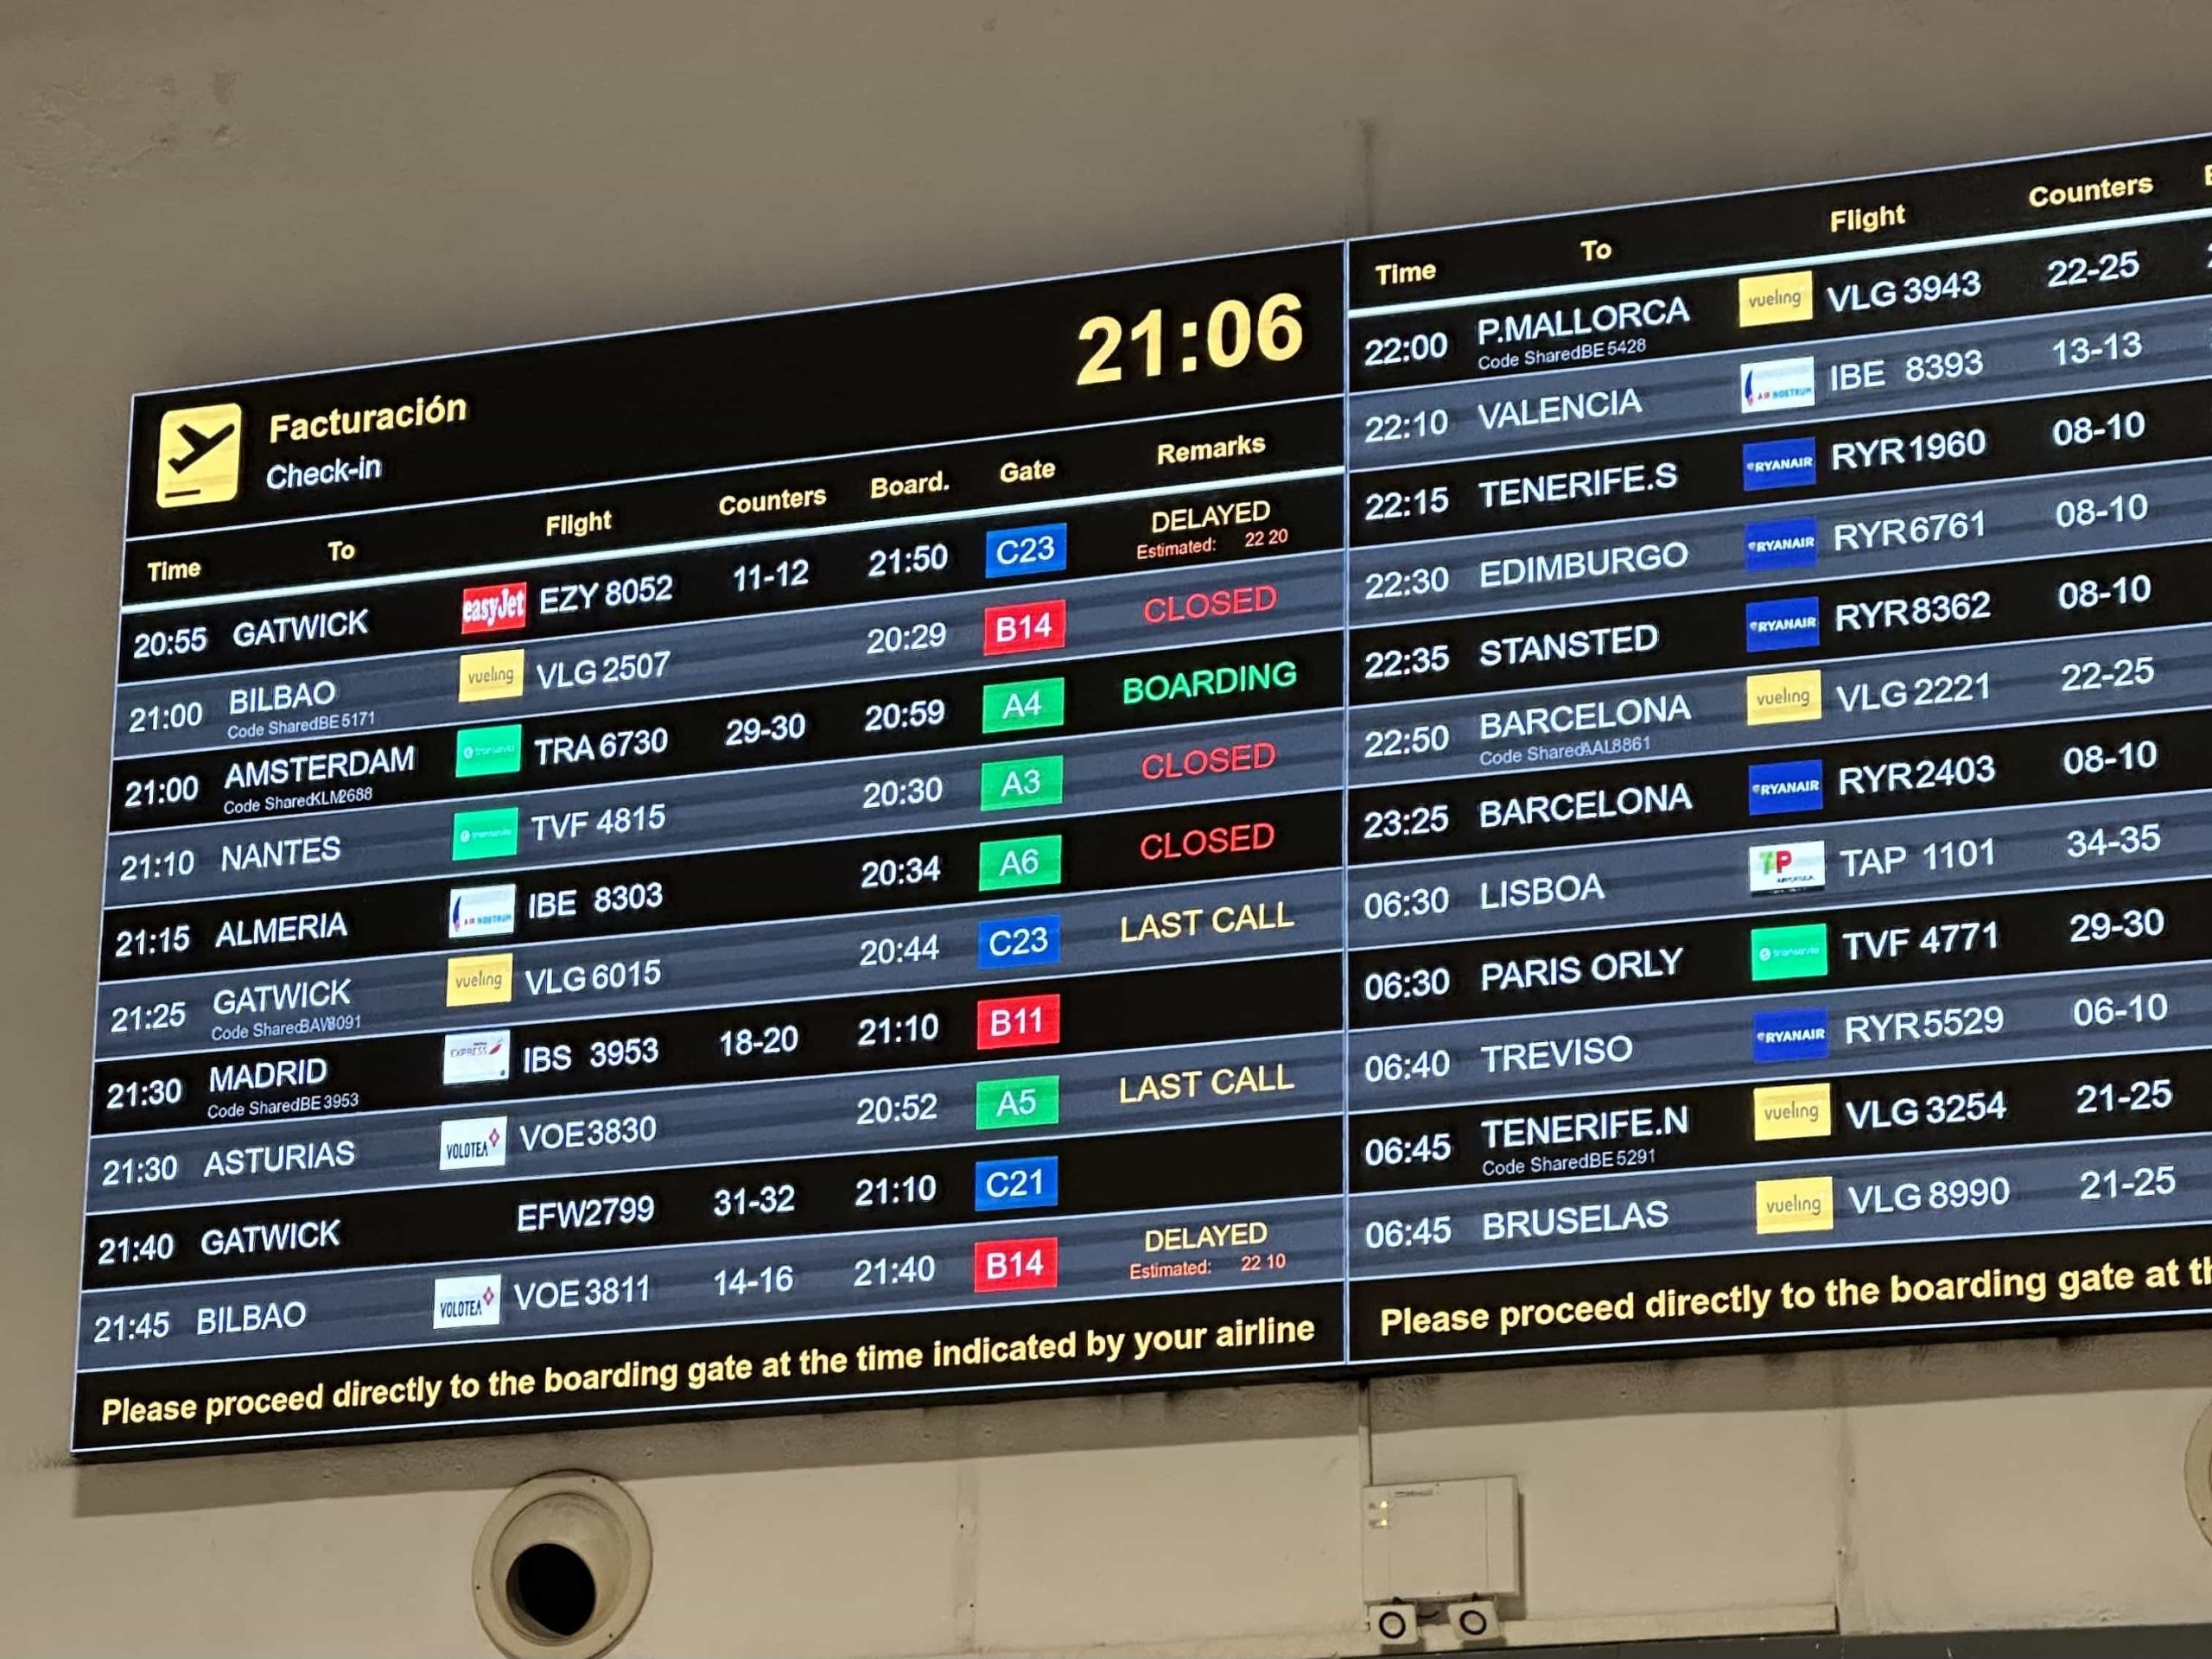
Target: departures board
[(1631, 783)]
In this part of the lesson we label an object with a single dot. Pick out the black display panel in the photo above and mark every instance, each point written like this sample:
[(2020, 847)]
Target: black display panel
[(1628, 783)]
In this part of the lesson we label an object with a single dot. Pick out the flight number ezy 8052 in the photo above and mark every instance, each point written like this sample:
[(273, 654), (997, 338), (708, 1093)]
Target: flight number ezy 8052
[(614, 593)]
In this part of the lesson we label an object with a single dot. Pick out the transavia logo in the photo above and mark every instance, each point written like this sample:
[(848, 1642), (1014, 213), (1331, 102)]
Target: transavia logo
[(1769, 625), (486, 913), (489, 832), (471, 980), (1782, 544), (1789, 866), (196, 460), (500, 608), (1774, 296), (466, 1299), (472, 1143), (1778, 383), (1787, 786), (477, 1056), (487, 751), (1798, 952), (1780, 464), (1780, 699), (1790, 1035)]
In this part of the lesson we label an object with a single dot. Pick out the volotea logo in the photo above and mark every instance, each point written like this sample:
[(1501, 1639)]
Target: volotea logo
[(465, 1300), (472, 1143)]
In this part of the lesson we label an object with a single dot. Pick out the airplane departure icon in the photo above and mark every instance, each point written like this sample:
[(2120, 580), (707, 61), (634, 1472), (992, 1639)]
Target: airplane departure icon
[(201, 442), (200, 450)]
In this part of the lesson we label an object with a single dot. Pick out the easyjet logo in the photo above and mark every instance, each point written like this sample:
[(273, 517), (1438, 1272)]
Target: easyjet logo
[(499, 609)]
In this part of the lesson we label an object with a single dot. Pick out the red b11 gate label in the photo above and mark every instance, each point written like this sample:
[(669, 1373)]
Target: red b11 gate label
[(1018, 1264), (1017, 1021)]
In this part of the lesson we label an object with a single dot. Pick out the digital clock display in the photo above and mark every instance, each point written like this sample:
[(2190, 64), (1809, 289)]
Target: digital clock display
[(1633, 783)]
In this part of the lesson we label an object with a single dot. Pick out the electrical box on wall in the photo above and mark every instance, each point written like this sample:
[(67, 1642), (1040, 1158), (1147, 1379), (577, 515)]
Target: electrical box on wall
[(1442, 1541)]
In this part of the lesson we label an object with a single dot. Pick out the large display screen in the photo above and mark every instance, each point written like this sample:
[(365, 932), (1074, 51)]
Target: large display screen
[(1632, 783)]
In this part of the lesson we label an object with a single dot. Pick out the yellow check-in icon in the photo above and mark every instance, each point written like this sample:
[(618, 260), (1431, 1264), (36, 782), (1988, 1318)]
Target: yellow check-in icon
[(197, 463)]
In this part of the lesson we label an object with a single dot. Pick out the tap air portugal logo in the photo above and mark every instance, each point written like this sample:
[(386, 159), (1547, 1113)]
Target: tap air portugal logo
[(1789, 865), (196, 461)]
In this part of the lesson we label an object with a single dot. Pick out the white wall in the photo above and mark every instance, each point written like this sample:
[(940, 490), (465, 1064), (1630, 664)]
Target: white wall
[(229, 187)]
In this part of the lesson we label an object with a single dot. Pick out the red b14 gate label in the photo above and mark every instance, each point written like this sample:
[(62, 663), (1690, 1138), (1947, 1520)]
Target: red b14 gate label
[(1018, 1264), (1009, 630)]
